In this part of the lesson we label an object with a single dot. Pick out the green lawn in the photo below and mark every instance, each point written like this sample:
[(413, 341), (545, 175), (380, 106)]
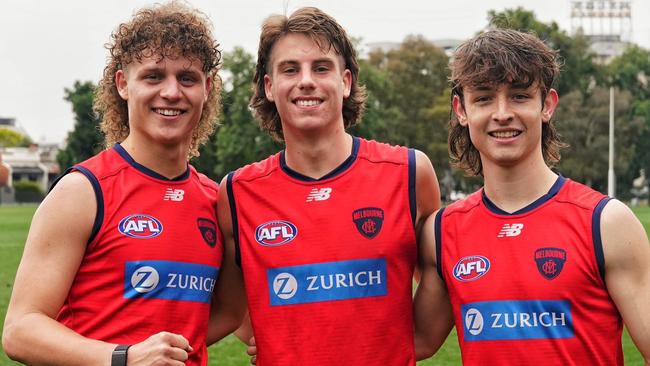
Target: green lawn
[(14, 223)]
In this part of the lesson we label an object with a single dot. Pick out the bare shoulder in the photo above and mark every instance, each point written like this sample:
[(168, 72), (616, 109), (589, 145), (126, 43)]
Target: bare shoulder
[(624, 238)]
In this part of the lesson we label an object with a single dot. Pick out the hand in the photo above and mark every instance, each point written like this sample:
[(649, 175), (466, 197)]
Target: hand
[(252, 350), (161, 349)]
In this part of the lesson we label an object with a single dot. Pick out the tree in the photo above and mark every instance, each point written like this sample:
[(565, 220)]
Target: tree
[(85, 140), (11, 138)]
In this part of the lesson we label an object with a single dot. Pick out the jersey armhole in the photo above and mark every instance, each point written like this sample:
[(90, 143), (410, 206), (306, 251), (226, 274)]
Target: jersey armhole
[(596, 236), (99, 197), (233, 217), (411, 182), (438, 236)]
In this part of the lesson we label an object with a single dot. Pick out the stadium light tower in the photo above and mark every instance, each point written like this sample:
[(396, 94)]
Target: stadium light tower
[(608, 25)]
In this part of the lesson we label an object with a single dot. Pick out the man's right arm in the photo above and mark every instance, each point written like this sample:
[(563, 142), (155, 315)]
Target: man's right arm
[(55, 248), (432, 314)]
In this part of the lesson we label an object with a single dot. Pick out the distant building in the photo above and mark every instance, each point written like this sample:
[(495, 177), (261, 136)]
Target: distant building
[(447, 45), (36, 163), (10, 124)]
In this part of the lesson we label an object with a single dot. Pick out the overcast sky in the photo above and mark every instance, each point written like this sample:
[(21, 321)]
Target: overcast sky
[(46, 45)]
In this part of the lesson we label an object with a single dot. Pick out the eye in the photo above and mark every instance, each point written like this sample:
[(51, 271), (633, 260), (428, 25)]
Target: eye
[(521, 97), (482, 99), (152, 77), (321, 69), (289, 70), (187, 79)]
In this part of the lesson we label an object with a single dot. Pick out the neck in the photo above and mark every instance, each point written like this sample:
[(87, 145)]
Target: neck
[(168, 161), (513, 188), (316, 156)]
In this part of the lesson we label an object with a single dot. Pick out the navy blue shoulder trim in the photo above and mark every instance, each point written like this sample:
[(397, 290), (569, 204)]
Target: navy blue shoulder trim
[(412, 191), (438, 236), (125, 155), (233, 217), (338, 170), (595, 233), (99, 197), (559, 182)]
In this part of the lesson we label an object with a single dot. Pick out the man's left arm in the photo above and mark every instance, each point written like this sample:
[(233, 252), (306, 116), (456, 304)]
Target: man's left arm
[(627, 270)]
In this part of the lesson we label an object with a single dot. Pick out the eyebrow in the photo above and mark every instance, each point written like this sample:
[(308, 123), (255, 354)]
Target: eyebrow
[(316, 61)]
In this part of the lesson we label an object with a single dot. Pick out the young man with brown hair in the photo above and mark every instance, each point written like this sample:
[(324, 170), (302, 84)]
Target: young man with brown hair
[(123, 254), (325, 231), (539, 268)]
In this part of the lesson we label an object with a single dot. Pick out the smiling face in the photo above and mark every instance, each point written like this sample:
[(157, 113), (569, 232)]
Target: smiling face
[(306, 84), (165, 98), (505, 121)]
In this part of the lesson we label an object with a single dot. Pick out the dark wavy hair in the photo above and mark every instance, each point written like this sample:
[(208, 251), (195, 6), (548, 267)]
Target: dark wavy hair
[(326, 33), (501, 56), (169, 30)]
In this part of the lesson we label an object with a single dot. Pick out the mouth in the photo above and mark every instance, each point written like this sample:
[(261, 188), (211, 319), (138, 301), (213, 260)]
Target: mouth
[(168, 112), (311, 102), (504, 134)]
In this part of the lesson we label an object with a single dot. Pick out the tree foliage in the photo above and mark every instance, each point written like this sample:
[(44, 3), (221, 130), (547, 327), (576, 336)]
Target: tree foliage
[(85, 140), (11, 138)]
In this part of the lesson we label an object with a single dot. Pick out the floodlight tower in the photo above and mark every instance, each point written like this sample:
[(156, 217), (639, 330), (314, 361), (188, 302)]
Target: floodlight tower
[(608, 24)]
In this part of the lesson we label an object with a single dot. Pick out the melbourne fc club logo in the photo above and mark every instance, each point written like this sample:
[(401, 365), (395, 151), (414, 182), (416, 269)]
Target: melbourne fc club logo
[(550, 261), (208, 231), (368, 221)]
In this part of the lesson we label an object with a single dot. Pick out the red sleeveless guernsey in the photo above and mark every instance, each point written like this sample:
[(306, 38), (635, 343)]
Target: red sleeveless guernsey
[(152, 259), (528, 288), (328, 263)]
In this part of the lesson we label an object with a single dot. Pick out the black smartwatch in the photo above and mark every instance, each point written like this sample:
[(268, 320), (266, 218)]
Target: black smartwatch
[(118, 358)]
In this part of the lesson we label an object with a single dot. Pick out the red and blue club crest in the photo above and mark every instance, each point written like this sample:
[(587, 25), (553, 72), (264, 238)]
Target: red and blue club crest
[(550, 261), (368, 221), (208, 229)]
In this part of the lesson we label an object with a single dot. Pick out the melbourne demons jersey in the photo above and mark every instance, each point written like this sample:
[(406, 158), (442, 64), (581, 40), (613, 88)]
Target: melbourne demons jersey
[(528, 288), (153, 257), (328, 263)]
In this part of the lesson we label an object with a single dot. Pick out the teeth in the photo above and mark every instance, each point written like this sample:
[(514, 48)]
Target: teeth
[(168, 112), (505, 134), (308, 103)]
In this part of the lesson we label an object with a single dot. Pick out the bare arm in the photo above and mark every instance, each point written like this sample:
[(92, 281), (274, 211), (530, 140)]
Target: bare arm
[(53, 252), (627, 270), (229, 299), (432, 310)]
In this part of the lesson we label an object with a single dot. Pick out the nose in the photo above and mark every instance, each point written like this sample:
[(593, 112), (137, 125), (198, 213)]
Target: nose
[(170, 89), (306, 79), (503, 112)]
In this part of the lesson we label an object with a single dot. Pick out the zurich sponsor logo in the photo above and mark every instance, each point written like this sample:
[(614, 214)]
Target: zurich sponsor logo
[(140, 226), (274, 233), (327, 281), (523, 319), (169, 280), (471, 268)]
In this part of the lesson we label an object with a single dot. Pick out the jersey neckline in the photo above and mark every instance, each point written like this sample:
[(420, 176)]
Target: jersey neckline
[(555, 188), (356, 142), (143, 169)]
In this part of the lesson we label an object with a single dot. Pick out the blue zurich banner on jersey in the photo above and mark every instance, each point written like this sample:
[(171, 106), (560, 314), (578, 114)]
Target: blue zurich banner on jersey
[(327, 281), (169, 280), (522, 319)]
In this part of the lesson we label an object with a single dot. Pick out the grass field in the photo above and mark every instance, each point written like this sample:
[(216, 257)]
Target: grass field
[(14, 223)]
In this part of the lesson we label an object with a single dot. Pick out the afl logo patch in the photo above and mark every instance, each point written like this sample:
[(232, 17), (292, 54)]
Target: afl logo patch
[(208, 231), (275, 233), (140, 226), (471, 268), (550, 261), (368, 221)]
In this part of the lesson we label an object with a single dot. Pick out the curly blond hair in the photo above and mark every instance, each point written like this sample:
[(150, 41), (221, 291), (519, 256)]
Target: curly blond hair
[(168, 30)]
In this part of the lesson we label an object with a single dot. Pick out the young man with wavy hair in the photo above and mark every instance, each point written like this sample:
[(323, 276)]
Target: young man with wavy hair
[(122, 256), (325, 232), (539, 268)]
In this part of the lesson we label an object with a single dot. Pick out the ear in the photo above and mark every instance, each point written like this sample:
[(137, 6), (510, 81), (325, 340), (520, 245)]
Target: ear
[(268, 86), (208, 87), (121, 84), (459, 110), (550, 103), (347, 83)]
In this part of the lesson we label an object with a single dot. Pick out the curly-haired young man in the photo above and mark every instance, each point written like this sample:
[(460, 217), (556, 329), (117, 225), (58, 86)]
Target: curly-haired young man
[(123, 255), (325, 231), (539, 269)]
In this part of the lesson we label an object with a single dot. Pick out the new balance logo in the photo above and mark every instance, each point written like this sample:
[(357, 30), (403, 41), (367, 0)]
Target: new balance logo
[(510, 230), (174, 195), (319, 194)]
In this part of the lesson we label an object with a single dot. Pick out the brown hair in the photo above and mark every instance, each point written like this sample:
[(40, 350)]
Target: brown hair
[(326, 33), (169, 30), (501, 56)]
